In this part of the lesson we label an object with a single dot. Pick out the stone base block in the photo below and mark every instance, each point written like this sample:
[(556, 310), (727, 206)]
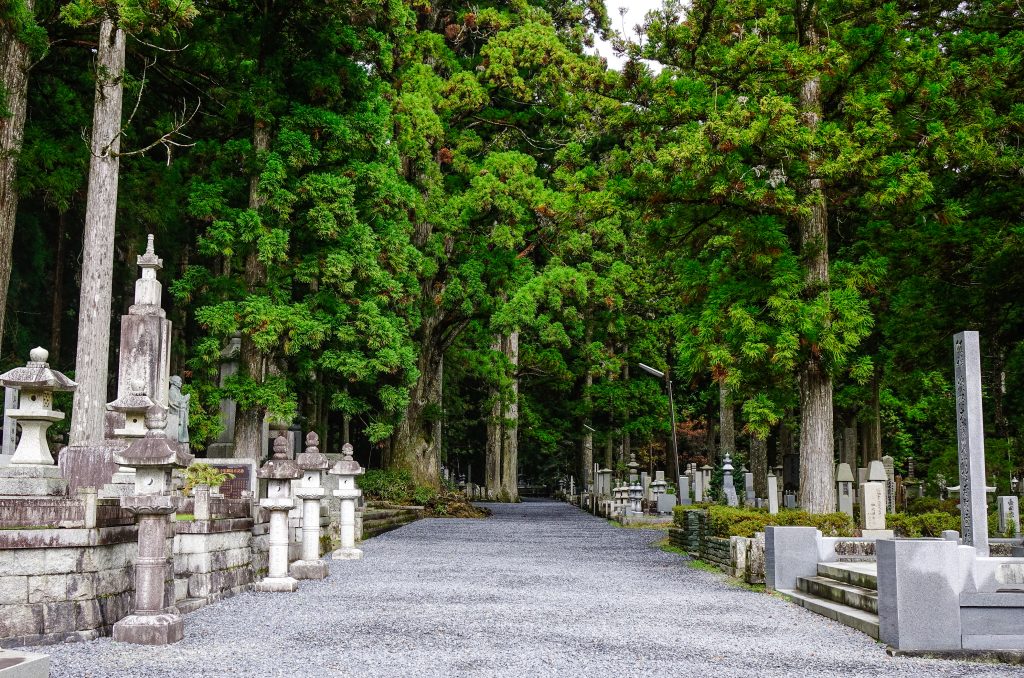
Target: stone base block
[(277, 585), (347, 554), (23, 665), (308, 569), (878, 534), (151, 629), (27, 480)]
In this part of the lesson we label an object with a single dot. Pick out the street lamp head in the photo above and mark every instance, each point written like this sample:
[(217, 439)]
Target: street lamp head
[(651, 371)]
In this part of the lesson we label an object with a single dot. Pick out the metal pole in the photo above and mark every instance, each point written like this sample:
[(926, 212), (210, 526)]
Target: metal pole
[(675, 449)]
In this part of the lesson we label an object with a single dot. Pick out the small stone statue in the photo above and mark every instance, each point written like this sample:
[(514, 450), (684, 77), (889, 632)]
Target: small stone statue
[(179, 405)]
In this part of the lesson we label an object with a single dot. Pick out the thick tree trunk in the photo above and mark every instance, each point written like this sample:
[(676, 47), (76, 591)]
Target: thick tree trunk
[(727, 422), (416, 444), (57, 299), (817, 491), (90, 401), (759, 465), (627, 443), (252, 361), (14, 65), (510, 424), (495, 437)]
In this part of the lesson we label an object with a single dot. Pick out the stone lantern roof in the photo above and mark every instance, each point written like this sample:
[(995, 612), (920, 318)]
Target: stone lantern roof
[(279, 466), (311, 459), (36, 374), (155, 449), (844, 474), (346, 466)]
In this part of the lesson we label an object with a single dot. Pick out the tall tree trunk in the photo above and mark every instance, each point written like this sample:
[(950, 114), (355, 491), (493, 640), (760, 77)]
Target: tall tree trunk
[(14, 65), (57, 299), (90, 400), (817, 491), (510, 424), (627, 443), (759, 465), (587, 442), (495, 435), (416, 444), (727, 422), (253, 362)]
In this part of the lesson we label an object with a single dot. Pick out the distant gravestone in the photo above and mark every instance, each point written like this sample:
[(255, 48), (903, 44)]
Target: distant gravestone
[(748, 487), (872, 501), (666, 502), (698, 488), (773, 495), (889, 464), (1009, 516), (684, 491), (970, 441), (844, 489), (790, 500)]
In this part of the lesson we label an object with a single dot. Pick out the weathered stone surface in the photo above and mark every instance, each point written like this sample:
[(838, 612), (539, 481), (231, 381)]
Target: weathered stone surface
[(59, 617), (20, 620), (109, 582), (13, 590), (308, 569), (790, 552), (48, 588), (81, 586), (157, 629)]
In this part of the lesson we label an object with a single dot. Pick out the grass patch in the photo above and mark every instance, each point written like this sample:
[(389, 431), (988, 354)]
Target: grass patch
[(704, 566), (666, 546)]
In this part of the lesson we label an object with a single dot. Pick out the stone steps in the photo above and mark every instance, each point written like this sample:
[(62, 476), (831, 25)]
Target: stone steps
[(377, 521), (846, 592)]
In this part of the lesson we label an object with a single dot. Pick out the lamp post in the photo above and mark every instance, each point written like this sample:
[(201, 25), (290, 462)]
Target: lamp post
[(672, 409)]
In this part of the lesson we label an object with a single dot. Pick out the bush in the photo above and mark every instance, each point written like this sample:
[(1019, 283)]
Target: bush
[(395, 487), (929, 524), (679, 513), (199, 473), (727, 521), (921, 505)]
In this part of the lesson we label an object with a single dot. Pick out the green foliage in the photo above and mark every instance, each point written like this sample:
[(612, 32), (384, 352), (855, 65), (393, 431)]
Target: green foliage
[(929, 524), (199, 473), (726, 521)]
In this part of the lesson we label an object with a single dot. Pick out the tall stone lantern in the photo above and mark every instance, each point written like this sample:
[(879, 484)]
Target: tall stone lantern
[(31, 470), (279, 471), (310, 491), (155, 621), (347, 469)]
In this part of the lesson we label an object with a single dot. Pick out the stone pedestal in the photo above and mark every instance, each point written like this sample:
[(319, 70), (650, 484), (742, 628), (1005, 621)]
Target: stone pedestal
[(844, 489), (347, 469), (277, 579), (153, 622), (310, 491)]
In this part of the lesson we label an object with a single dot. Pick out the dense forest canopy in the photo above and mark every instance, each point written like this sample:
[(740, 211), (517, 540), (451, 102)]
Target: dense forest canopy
[(449, 232)]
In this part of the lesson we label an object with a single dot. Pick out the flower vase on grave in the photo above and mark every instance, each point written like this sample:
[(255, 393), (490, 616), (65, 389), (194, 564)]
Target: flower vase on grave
[(31, 471), (279, 471), (309, 490), (347, 469), (155, 620)]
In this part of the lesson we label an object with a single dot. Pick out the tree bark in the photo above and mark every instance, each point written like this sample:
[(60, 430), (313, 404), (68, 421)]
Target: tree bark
[(57, 299), (510, 425), (253, 362), (14, 66), (759, 465), (495, 436), (727, 422), (817, 491), (416, 444), (90, 400)]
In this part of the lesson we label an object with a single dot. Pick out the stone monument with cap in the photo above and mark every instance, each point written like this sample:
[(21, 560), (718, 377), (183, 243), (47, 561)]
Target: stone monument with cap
[(310, 491), (279, 471), (347, 469)]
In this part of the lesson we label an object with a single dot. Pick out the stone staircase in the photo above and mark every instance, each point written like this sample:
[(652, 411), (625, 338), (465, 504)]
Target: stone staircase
[(844, 591), (381, 518)]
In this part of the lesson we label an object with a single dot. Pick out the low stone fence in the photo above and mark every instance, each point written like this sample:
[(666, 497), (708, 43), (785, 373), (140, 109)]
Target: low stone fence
[(68, 570), (739, 557)]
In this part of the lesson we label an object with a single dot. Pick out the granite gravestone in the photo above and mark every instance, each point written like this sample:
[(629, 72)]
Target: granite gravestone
[(970, 441), (844, 489), (1009, 516)]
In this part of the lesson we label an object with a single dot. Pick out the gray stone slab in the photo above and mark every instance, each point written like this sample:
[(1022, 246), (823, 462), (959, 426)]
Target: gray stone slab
[(18, 664), (790, 552), (970, 441)]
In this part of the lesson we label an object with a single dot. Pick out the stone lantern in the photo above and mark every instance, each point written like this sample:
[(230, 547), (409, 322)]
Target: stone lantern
[(347, 469), (133, 406), (633, 467), (31, 470), (154, 622), (636, 495), (728, 487), (309, 490), (279, 471)]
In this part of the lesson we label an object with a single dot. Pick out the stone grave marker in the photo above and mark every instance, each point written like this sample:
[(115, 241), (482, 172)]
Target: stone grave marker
[(872, 503), (844, 489), (684, 491), (1009, 516), (970, 441), (889, 464), (790, 500), (698, 488)]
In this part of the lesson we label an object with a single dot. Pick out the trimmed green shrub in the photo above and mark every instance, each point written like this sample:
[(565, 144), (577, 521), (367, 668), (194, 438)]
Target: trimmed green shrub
[(727, 521), (395, 487), (929, 524)]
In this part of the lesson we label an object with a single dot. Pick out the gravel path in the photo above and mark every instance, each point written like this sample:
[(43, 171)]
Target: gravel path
[(539, 589)]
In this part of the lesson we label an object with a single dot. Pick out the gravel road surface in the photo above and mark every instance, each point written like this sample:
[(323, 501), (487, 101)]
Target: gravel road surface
[(539, 589)]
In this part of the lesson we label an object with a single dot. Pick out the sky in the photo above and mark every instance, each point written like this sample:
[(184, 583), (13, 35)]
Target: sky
[(636, 9)]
